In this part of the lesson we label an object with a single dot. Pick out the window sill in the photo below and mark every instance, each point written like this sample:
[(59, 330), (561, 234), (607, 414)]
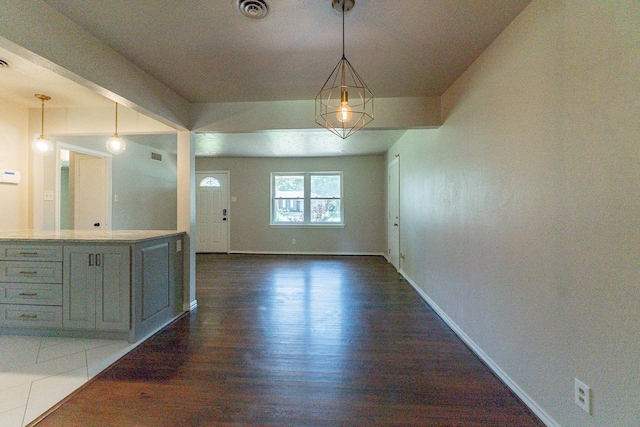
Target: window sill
[(306, 225)]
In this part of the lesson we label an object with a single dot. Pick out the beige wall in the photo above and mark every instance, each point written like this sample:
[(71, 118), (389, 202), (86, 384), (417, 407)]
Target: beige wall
[(14, 152), (364, 180), (520, 215)]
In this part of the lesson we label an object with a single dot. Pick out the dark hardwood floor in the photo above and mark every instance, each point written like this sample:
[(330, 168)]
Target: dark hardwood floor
[(298, 341)]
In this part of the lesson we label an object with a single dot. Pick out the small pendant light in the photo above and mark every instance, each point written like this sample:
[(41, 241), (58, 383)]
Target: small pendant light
[(42, 145), (115, 144)]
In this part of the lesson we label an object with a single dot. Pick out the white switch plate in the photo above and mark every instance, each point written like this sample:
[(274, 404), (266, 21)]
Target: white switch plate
[(48, 195), (178, 245), (233, 199)]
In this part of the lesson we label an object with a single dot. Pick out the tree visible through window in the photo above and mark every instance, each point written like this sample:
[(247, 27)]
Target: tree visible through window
[(306, 198)]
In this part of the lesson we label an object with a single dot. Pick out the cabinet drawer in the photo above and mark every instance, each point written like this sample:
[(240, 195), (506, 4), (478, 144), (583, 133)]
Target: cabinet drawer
[(31, 316), (30, 272), (27, 293), (31, 253)]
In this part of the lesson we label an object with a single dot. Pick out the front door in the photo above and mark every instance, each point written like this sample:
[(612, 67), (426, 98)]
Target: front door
[(212, 212)]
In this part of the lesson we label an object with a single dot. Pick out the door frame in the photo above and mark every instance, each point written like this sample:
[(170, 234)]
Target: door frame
[(229, 210), (82, 150), (395, 161)]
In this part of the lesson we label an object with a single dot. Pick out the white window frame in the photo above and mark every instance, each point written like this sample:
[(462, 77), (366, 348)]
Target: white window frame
[(307, 202)]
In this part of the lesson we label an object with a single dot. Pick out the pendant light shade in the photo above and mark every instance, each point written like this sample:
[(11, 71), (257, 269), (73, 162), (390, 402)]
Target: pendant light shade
[(115, 144), (41, 144), (344, 105)]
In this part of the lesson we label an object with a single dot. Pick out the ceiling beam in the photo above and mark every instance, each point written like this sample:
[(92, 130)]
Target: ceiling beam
[(390, 113), (42, 35)]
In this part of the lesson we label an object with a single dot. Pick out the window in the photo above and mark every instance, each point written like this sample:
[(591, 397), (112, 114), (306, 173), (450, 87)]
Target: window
[(209, 182), (313, 198)]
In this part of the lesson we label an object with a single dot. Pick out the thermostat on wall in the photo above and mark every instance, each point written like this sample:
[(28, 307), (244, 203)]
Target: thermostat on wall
[(9, 177)]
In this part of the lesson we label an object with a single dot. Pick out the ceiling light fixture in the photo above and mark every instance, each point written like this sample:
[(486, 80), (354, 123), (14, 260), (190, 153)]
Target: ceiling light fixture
[(41, 144), (115, 144), (344, 105)]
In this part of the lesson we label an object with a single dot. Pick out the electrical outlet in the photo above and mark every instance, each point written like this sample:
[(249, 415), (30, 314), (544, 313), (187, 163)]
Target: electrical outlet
[(582, 394), (293, 241)]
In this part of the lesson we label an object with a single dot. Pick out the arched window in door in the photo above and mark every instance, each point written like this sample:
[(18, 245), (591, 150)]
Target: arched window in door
[(209, 182)]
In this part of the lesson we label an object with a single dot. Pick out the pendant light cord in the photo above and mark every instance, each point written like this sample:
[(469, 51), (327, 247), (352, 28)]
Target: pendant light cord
[(42, 133), (343, 28), (116, 120)]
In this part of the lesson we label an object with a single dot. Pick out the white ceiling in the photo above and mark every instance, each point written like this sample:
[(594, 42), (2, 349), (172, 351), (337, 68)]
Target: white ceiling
[(206, 52)]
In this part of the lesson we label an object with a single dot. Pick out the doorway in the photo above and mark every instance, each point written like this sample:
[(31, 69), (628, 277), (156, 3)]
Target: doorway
[(393, 225), (212, 212), (84, 189)]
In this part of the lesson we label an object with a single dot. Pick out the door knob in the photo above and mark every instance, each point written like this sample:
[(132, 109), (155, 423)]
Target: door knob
[(395, 225), (97, 224)]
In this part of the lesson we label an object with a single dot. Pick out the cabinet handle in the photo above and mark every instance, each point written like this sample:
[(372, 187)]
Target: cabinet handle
[(28, 294), (29, 273), (28, 316), (97, 260), (90, 259), (29, 253)]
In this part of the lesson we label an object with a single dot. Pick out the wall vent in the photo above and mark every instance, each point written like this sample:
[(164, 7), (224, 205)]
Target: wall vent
[(156, 156)]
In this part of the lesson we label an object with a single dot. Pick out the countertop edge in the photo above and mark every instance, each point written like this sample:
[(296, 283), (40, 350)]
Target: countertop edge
[(123, 237)]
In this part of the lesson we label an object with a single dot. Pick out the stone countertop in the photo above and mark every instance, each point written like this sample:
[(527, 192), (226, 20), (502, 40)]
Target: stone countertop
[(79, 236)]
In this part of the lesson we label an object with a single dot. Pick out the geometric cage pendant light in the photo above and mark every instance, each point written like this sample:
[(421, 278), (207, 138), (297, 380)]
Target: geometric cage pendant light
[(41, 144), (115, 144), (344, 105)]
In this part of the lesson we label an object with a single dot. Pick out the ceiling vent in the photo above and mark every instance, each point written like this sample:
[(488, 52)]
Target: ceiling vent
[(253, 9), (156, 156), (3, 63)]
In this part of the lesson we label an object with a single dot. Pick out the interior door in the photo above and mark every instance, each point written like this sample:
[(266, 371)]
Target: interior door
[(90, 188), (393, 226), (212, 212)]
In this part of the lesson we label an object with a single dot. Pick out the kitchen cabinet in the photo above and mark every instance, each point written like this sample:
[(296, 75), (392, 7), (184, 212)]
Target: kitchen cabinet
[(112, 285), (95, 288), (30, 286)]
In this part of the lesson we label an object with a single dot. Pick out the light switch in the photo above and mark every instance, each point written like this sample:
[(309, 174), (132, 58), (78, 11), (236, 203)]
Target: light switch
[(48, 195), (233, 199)]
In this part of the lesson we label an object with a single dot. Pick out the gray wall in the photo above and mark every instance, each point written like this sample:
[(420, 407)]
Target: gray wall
[(363, 186), (520, 215), (146, 189)]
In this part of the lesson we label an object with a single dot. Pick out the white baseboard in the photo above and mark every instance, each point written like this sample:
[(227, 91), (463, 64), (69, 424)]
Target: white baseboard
[(537, 409), (190, 306), (307, 253)]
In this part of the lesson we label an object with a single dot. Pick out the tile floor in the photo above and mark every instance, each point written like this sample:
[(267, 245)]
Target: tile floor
[(38, 372)]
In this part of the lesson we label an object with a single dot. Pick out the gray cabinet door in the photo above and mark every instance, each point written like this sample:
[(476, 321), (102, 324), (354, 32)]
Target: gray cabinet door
[(113, 278), (79, 287), (96, 287)]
